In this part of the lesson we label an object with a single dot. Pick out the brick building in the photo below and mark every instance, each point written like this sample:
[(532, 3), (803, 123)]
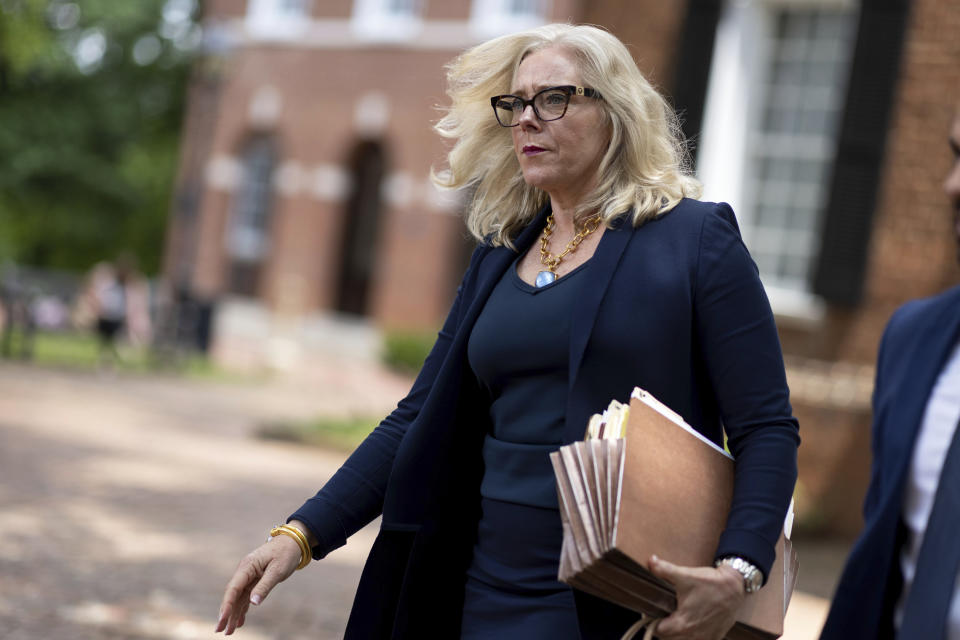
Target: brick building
[(304, 207)]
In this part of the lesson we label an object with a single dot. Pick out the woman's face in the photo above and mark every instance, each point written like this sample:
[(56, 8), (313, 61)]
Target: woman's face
[(560, 157)]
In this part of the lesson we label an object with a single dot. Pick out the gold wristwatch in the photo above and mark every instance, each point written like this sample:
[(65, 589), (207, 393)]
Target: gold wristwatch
[(752, 578)]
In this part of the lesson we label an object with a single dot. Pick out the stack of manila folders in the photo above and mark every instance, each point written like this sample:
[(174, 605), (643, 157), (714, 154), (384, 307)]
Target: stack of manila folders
[(645, 482)]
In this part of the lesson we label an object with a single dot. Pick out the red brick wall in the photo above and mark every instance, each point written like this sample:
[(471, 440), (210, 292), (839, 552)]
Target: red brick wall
[(649, 29), (912, 252), (418, 247)]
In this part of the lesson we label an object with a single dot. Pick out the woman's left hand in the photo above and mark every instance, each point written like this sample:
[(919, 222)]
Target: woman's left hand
[(707, 600)]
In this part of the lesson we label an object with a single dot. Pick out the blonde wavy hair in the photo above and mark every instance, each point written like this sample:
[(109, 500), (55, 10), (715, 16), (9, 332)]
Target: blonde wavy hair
[(645, 169)]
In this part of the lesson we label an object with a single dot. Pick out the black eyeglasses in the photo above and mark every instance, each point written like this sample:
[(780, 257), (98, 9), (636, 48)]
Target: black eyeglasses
[(548, 104)]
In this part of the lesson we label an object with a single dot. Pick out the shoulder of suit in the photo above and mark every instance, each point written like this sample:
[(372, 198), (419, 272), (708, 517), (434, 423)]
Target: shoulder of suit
[(697, 219), (693, 212), (923, 310)]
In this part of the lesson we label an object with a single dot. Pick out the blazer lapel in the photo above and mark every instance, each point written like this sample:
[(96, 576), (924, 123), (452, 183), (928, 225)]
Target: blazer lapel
[(934, 344), (496, 263), (602, 267)]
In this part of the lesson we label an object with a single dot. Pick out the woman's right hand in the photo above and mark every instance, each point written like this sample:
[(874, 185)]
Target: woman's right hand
[(257, 574)]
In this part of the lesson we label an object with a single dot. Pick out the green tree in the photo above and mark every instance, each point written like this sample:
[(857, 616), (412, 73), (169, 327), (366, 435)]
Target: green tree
[(91, 98)]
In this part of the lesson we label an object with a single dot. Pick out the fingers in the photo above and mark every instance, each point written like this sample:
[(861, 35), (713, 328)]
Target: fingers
[(676, 622), (707, 601), (236, 598), (665, 570), (272, 576), (256, 575)]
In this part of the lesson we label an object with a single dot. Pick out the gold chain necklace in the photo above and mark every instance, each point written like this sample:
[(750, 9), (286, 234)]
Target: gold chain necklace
[(550, 261)]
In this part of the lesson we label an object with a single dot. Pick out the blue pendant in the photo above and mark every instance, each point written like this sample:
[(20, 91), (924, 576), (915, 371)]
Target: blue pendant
[(545, 277)]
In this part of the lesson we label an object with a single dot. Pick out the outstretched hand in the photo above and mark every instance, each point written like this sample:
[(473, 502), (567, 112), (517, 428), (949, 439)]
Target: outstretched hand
[(707, 600), (257, 574)]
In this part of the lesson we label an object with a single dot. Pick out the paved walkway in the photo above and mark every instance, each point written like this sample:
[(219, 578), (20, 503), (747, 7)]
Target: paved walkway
[(125, 503)]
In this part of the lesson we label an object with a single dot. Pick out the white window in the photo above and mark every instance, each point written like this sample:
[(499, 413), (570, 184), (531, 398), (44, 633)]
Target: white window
[(248, 232), (387, 20), (490, 18), (777, 87), (277, 19)]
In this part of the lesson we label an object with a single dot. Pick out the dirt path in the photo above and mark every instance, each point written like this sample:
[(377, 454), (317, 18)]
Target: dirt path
[(125, 503)]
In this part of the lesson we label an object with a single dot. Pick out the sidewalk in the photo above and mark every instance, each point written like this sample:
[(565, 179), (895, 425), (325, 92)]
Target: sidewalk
[(127, 501)]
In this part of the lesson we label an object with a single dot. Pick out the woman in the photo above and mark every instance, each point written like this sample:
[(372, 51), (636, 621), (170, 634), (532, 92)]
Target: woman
[(595, 273)]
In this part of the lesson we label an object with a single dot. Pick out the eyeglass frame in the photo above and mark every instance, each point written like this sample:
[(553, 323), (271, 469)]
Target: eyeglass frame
[(569, 89)]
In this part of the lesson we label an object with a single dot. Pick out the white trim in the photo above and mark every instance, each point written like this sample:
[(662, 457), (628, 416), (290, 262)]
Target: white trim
[(736, 101), (223, 172), (266, 20), (830, 384), (491, 18), (797, 309), (812, 4), (330, 183), (333, 33), (289, 179), (398, 189), (374, 22), (733, 101), (265, 107), (371, 114)]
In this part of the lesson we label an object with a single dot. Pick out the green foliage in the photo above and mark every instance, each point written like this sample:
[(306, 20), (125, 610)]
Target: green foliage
[(341, 434), (406, 351), (91, 99)]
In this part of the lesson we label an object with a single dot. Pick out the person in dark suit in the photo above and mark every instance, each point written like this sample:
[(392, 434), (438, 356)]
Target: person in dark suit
[(596, 272), (900, 578)]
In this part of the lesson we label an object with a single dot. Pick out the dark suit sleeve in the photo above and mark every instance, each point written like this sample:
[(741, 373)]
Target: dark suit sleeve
[(898, 337), (353, 497), (740, 346), (875, 488)]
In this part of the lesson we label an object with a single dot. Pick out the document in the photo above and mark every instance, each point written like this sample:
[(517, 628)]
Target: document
[(645, 482)]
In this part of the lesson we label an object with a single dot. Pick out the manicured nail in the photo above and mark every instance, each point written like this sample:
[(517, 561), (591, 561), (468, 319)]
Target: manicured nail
[(256, 599)]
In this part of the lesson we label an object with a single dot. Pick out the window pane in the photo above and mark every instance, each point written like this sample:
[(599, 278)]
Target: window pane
[(793, 145), (523, 7), (402, 7), (250, 216)]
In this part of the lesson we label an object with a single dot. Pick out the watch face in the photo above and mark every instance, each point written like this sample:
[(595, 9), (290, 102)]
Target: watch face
[(752, 579)]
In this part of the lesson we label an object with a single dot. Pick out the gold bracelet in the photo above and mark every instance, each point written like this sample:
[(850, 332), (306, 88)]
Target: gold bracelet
[(300, 537), (304, 544), (296, 534)]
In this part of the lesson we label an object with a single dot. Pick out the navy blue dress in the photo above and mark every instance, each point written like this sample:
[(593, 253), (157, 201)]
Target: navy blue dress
[(674, 306), (519, 351)]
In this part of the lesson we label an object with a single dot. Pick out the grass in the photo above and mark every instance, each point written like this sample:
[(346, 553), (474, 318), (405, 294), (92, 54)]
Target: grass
[(340, 434), (405, 351), (81, 350)]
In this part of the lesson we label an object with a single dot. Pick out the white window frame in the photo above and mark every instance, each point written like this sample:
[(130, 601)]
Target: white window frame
[(277, 19), (248, 231), (378, 21), (491, 18), (736, 97)]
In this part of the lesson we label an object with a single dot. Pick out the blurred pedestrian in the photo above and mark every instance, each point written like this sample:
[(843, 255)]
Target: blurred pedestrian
[(900, 580), (16, 316), (118, 298)]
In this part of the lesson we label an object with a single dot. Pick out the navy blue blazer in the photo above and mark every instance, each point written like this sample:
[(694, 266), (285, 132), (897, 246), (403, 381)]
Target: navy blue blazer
[(914, 349), (674, 306)]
